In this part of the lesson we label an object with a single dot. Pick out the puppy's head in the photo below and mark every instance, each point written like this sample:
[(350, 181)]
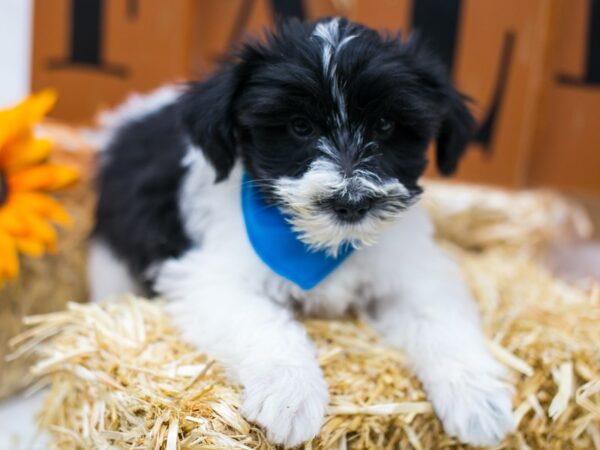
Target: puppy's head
[(332, 121)]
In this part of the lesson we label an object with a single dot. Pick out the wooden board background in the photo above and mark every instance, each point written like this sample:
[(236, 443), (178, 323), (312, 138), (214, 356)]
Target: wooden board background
[(527, 65)]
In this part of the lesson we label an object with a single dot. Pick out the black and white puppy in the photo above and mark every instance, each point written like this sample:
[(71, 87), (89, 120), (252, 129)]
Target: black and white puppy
[(332, 120)]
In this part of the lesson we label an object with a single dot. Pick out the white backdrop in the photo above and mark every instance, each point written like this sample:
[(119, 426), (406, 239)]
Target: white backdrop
[(16, 416), (15, 49)]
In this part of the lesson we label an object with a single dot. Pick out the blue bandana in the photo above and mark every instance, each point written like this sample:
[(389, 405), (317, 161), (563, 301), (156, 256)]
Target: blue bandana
[(278, 245)]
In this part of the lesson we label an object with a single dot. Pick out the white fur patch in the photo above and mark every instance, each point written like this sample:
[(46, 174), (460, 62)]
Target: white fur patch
[(329, 35), (319, 228), (135, 107)]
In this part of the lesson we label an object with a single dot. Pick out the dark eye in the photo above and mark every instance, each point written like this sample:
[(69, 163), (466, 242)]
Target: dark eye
[(302, 127), (384, 127)]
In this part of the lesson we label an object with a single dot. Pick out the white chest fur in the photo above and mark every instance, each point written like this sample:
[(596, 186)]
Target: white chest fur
[(213, 219), (226, 301)]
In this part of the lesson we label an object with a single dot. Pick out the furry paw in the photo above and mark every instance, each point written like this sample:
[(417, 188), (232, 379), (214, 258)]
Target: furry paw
[(288, 402), (475, 407)]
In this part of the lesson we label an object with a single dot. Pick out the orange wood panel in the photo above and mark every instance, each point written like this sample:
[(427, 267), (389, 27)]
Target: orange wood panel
[(566, 152), (139, 52), (484, 30), (388, 15), (221, 22), (545, 132)]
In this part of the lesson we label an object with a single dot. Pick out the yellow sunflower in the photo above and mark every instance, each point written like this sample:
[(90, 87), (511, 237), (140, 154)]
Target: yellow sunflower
[(26, 211)]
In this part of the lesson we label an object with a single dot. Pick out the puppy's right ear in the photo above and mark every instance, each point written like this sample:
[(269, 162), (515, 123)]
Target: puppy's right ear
[(207, 113)]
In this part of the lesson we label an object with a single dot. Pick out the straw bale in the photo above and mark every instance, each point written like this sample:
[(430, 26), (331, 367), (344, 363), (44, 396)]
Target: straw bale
[(120, 377), (46, 284)]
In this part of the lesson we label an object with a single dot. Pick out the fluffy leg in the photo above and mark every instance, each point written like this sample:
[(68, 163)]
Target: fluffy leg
[(258, 341), (428, 312)]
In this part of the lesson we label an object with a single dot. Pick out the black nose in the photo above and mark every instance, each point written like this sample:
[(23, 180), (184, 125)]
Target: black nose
[(351, 211)]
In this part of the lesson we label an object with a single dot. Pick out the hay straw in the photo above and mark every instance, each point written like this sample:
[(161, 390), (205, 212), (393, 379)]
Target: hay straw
[(46, 284), (477, 218), (121, 378)]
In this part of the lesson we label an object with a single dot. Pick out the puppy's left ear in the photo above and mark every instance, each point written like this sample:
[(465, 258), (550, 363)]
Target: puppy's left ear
[(455, 131), (456, 124), (206, 110)]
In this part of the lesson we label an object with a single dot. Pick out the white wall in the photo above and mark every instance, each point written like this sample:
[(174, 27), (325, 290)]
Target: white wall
[(15, 49)]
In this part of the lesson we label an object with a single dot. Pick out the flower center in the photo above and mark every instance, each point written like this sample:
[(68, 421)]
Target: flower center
[(3, 188)]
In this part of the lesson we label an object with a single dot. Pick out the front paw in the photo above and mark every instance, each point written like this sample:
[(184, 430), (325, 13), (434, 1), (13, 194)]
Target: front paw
[(288, 402), (475, 407)]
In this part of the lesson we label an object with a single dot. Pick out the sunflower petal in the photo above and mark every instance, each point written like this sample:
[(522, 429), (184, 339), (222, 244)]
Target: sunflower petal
[(29, 247), (11, 221), (9, 262), (45, 177), (25, 152), (52, 247), (39, 104), (18, 120), (43, 231), (13, 124), (39, 229), (43, 205)]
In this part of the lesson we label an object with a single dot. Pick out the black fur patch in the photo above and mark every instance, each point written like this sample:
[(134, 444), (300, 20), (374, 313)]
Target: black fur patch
[(271, 105), (246, 108), (139, 181)]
